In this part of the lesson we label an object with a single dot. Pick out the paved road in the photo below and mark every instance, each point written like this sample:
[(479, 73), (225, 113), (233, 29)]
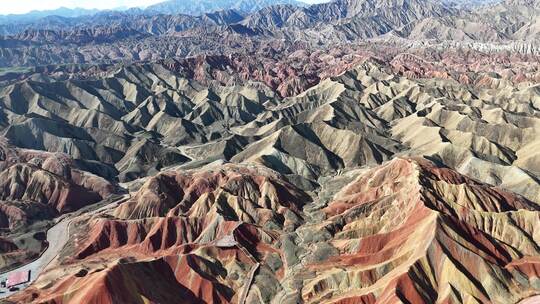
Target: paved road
[(57, 236)]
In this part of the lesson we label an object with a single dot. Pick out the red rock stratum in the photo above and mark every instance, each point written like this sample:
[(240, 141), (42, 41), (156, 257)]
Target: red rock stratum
[(406, 231)]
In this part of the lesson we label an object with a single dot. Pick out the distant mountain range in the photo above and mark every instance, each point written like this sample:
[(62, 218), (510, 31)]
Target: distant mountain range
[(254, 22), (187, 7), (199, 7), (35, 15), (141, 35), (171, 7)]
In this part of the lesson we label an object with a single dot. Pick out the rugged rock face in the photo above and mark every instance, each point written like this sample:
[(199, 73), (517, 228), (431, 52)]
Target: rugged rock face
[(38, 185), (407, 230), (254, 194), (25, 182), (211, 229), (142, 118), (176, 208)]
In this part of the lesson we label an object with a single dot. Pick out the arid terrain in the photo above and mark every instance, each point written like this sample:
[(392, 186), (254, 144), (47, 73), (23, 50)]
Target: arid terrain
[(355, 151)]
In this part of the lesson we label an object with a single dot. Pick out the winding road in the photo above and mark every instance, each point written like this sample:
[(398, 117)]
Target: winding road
[(57, 237)]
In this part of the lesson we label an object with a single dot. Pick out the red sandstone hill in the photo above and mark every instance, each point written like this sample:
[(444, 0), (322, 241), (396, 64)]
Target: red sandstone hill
[(33, 182), (250, 194), (200, 234), (36, 187), (412, 232), (406, 231)]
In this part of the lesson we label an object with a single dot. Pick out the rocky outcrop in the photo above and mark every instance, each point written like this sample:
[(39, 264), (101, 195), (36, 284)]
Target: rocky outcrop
[(223, 223), (250, 194), (25, 182), (411, 231), (7, 246), (408, 230), (48, 179)]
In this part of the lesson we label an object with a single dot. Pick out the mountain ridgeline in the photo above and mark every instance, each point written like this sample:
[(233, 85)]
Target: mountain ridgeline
[(100, 38)]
